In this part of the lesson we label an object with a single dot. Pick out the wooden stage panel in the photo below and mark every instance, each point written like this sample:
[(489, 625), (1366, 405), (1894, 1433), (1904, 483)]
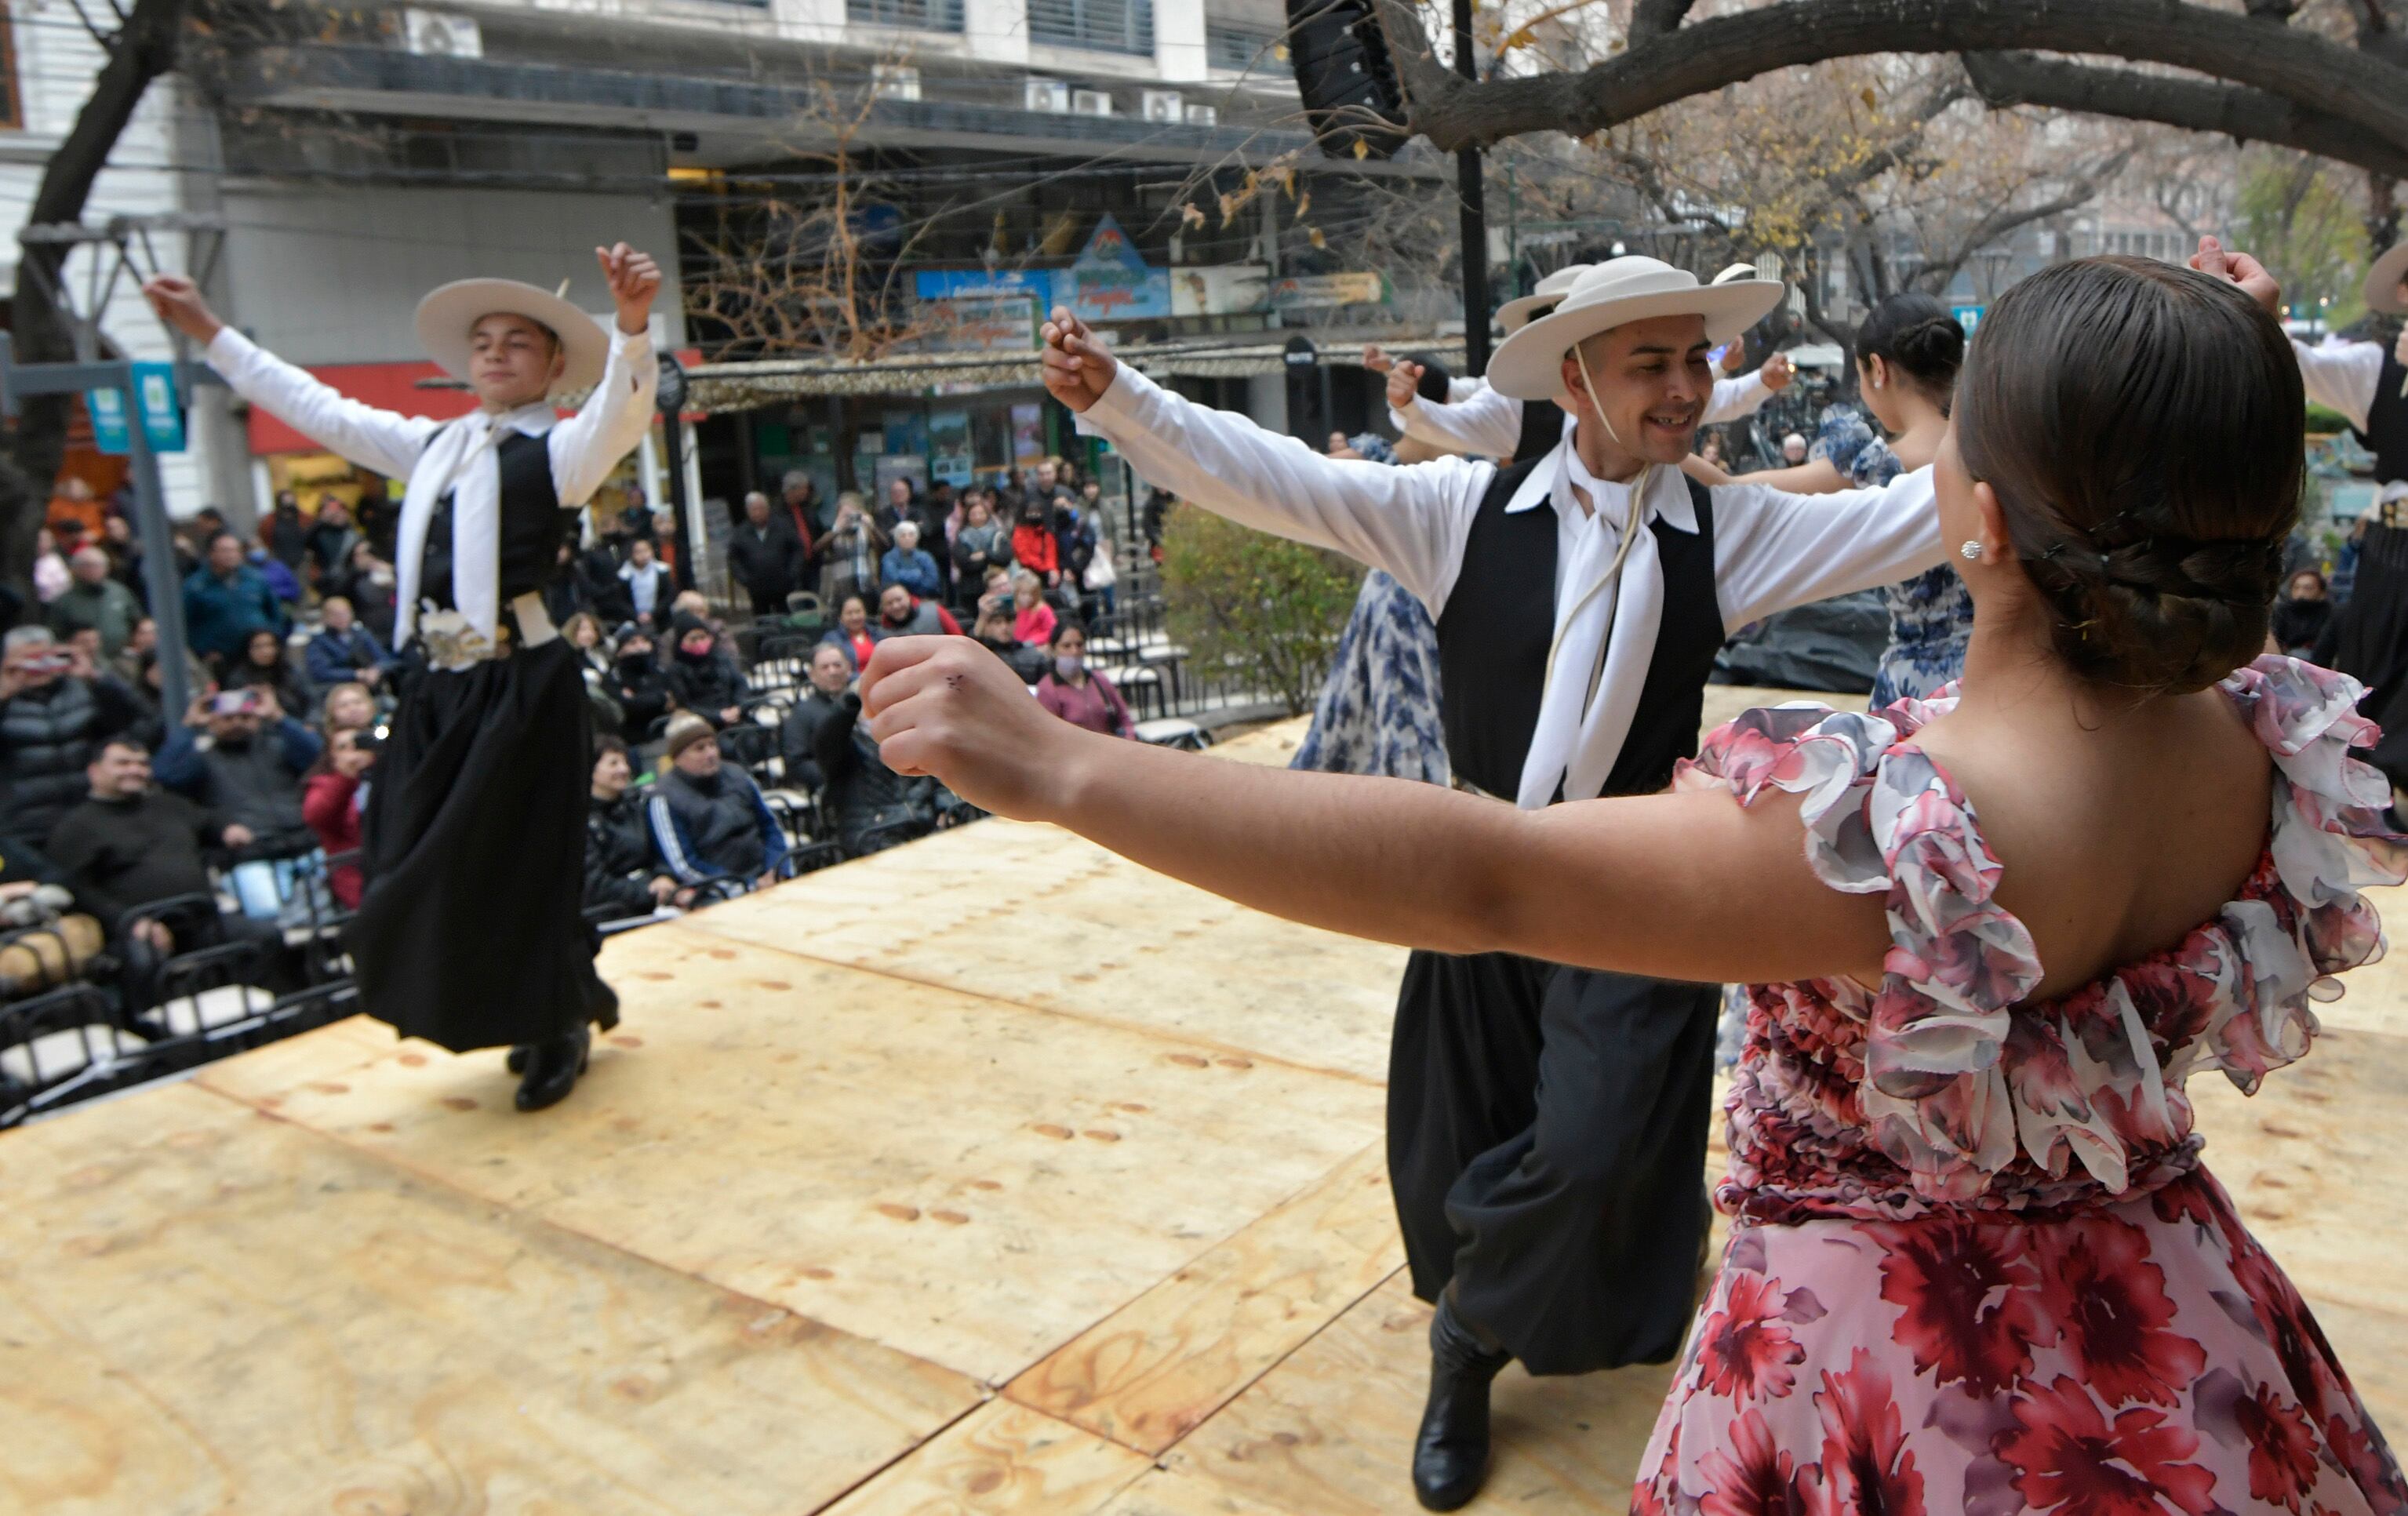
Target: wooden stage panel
[(1029, 914), (961, 1179), (210, 1310), (1150, 1373), (1329, 1430), (1002, 1460)]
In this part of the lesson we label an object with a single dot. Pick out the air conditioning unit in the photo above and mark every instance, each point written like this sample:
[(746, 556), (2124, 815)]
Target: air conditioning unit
[(1051, 95), (894, 81), (434, 34), (1090, 103), (1159, 105), (1203, 116)]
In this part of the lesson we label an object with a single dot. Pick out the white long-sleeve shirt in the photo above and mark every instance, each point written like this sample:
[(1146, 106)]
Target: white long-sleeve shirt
[(2343, 376), (455, 456), (1773, 550), (1478, 419)]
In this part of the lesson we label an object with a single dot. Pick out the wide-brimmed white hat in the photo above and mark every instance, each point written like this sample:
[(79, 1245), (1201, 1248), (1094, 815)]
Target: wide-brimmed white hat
[(2382, 282), (1515, 313), (1528, 364), (447, 314)]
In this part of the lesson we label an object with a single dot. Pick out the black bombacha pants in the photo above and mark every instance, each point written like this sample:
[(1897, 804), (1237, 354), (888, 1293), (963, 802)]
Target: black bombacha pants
[(1547, 1144)]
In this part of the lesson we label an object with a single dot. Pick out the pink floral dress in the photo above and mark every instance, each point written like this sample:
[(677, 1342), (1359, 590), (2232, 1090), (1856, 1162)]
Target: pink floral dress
[(1976, 1265)]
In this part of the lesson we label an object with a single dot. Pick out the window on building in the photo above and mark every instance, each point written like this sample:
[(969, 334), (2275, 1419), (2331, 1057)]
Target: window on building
[(1105, 26), (12, 102), (919, 15), (1241, 47)]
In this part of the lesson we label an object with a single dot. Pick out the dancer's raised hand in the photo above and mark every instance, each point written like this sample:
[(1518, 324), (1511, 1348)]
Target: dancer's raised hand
[(178, 302), (2219, 261), (947, 707), (1404, 383), (1376, 358), (1078, 368), (634, 279), (1777, 372)]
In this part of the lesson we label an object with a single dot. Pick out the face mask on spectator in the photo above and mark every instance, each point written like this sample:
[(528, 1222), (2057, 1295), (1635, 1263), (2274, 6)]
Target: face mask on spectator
[(1067, 665)]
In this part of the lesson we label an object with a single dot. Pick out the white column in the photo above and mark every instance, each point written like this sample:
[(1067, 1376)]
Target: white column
[(1179, 39), (996, 31)]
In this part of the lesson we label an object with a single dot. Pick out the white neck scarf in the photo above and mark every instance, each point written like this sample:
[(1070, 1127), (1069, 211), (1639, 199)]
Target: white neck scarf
[(461, 458)]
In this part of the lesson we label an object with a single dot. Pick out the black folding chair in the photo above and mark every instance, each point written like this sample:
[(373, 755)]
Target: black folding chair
[(59, 1047)]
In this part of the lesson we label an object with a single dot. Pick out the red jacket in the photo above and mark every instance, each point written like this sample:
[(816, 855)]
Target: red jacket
[(326, 805), (1035, 549)]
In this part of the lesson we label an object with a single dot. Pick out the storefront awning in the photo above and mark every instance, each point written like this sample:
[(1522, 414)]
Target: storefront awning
[(744, 386)]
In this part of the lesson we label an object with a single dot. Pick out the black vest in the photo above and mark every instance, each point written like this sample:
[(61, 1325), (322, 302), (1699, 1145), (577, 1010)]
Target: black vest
[(1542, 427), (2387, 422), (532, 526), (1500, 622)]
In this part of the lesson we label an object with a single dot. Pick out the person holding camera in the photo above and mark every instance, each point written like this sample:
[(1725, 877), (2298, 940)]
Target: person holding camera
[(52, 723), (332, 800)]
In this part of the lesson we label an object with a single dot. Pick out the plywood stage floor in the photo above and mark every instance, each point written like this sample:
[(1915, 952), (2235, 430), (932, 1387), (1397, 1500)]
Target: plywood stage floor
[(989, 1175)]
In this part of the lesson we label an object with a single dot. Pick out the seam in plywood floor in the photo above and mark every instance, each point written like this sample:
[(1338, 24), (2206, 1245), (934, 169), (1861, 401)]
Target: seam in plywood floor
[(1086, 1018)]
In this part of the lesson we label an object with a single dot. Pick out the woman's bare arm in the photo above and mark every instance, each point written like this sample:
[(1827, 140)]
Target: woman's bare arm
[(1680, 886), (1817, 475)]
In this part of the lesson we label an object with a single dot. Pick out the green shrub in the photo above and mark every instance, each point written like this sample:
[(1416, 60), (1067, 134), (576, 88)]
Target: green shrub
[(1265, 611)]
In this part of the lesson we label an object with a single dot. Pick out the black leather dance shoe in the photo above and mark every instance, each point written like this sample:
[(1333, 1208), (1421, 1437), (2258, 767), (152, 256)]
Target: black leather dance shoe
[(605, 1017), (551, 1070), (1451, 1451)]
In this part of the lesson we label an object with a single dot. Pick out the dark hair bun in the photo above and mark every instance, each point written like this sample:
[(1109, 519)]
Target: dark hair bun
[(1916, 334), (2143, 425)]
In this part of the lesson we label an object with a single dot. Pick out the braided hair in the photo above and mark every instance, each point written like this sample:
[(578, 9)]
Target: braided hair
[(2143, 427)]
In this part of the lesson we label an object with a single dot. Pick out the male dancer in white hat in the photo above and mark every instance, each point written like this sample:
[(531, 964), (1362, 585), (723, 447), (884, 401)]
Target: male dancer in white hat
[(1486, 422), (470, 933), (1580, 599)]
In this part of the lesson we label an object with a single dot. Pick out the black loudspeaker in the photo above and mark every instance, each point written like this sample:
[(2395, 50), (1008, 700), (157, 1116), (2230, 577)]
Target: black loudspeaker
[(1351, 97)]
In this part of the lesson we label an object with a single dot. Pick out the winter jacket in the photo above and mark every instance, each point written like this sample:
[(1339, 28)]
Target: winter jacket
[(798, 740), (221, 613), (641, 688), (915, 570), (976, 549), (118, 854), (709, 684), (1035, 548), (338, 657), (257, 784), (619, 861), (706, 829), (861, 793), (330, 803), (767, 561), (108, 608), (48, 735)]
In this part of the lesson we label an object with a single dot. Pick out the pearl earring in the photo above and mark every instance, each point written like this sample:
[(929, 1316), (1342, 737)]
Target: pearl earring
[(1969, 551)]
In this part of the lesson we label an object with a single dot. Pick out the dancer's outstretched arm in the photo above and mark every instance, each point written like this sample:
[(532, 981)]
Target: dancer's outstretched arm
[(1679, 886)]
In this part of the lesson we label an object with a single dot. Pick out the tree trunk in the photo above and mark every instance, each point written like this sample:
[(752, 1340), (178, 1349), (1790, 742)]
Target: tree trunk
[(141, 51)]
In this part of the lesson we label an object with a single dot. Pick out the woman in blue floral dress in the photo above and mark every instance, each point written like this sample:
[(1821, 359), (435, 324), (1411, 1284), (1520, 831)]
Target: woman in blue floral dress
[(1906, 357)]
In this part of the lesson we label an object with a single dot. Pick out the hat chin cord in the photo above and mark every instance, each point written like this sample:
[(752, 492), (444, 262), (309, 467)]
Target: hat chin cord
[(1621, 550)]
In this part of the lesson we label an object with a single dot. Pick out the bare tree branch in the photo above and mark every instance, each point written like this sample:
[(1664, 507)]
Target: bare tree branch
[(1707, 55), (2277, 11), (2019, 79), (2080, 191)]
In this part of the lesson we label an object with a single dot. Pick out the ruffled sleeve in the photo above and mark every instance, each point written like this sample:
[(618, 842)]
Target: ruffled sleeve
[(2329, 843), (1960, 1077)]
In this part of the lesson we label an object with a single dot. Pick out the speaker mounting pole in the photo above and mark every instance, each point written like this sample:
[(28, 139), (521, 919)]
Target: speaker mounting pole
[(1475, 215)]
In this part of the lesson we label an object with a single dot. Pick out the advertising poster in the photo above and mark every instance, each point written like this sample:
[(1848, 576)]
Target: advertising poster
[(1110, 282), (1027, 432), (951, 456)]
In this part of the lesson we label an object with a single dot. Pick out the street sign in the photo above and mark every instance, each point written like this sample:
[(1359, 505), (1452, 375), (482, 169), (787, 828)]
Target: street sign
[(1968, 317), (107, 408), (162, 417)]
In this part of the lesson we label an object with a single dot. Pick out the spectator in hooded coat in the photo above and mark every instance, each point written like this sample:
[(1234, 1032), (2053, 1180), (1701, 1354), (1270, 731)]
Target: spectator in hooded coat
[(703, 676)]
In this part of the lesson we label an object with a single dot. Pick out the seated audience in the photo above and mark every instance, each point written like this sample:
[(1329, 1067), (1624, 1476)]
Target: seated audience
[(908, 566), (708, 819), (332, 800), (851, 632), (1032, 620), (51, 723), (349, 708), (127, 845), (901, 613), (703, 676), (369, 585), (249, 770), (264, 666), (830, 675), (638, 682), (345, 650), (621, 875), (1079, 695), (861, 794), (995, 633), (226, 600), (330, 540), (94, 601)]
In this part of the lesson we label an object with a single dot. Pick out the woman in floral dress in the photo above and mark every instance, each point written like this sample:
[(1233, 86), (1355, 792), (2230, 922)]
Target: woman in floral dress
[(1908, 353), (1975, 1263)]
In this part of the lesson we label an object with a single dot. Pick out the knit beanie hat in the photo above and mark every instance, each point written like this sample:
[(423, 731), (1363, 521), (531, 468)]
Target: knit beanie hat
[(685, 731)]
